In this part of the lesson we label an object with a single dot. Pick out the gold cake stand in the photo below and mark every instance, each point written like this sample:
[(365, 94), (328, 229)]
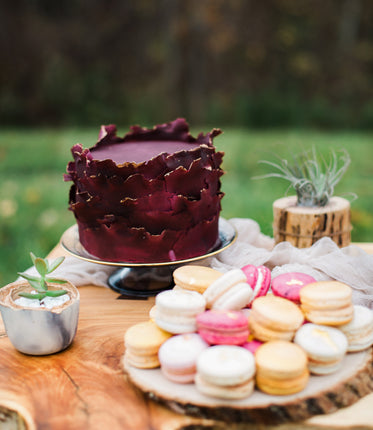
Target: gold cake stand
[(143, 279)]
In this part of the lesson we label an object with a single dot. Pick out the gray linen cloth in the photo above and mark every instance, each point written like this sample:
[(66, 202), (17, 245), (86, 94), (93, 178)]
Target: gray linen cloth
[(324, 261)]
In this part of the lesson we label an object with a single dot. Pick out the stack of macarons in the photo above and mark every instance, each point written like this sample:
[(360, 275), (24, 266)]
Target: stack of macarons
[(229, 332), (222, 327), (359, 331), (325, 347), (274, 318), (142, 342), (226, 371), (176, 310), (178, 357), (328, 302), (281, 368)]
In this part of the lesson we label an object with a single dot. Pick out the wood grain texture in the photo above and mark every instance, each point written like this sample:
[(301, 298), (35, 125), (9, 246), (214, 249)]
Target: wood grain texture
[(85, 387), (322, 395), (303, 226)]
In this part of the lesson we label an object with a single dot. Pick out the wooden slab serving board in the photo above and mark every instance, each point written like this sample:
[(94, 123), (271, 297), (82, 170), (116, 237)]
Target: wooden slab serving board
[(323, 394), (86, 387)]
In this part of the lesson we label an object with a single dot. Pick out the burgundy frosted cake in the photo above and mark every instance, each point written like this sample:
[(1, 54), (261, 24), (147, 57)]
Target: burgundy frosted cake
[(150, 196)]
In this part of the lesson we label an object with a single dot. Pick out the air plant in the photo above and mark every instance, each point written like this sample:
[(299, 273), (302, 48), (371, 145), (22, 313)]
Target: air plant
[(40, 283), (311, 175)]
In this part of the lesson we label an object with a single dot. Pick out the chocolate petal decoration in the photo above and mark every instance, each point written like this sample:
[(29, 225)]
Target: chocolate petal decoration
[(161, 209), (170, 245), (177, 130), (191, 182)]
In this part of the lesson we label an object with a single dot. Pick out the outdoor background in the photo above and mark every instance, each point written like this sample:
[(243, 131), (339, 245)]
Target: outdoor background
[(277, 76)]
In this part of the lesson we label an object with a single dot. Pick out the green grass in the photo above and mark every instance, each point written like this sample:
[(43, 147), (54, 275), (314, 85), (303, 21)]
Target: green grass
[(34, 198)]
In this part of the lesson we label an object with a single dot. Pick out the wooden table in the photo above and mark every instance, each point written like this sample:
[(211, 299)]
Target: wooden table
[(85, 386)]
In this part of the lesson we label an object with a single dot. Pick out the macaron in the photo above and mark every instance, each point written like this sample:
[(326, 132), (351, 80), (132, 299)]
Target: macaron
[(230, 291), (178, 357), (225, 371), (288, 285), (195, 278), (176, 310), (142, 342), (327, 303), (252, 345), (223, 327), (273, 317), (152, 312), (281, 368), (259, 279), (359, 331), (325, 347)]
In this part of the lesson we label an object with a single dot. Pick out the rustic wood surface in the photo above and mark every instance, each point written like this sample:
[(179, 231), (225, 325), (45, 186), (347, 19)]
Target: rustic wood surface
[(85, 387), (322, 395), (303, 226)]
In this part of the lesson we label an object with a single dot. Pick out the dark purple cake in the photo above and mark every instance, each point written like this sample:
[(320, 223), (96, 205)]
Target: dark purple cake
[(150, 196)]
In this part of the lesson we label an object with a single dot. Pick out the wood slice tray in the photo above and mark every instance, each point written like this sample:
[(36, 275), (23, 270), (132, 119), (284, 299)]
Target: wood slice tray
[(323, 395)]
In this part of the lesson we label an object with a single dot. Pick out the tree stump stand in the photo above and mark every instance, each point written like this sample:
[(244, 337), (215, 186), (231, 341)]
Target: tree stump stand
[(302, 226)]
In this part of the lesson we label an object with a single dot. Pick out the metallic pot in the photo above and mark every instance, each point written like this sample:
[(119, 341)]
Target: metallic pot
[(39, 331)]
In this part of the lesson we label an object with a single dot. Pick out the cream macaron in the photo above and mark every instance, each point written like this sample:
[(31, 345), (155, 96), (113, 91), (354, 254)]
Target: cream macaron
[(274, 318), (325, 347), (225, 371), (176, 310), (229, 292), (359, 331), (327, 302)]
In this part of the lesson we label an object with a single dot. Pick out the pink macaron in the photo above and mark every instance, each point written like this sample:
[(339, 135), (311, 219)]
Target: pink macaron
[(178, 357), (259, 278), (252, 345), (288, 285), (223, 327)]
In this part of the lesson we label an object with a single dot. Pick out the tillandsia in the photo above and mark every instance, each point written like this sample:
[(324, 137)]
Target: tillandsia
[(40, 283), (311, 175)]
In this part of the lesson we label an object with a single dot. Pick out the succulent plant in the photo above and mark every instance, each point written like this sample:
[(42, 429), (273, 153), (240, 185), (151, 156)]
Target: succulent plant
[(311, 175), (40, 283)]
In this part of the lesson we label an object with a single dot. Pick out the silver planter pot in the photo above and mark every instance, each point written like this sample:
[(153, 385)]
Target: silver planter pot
[(39, 331)]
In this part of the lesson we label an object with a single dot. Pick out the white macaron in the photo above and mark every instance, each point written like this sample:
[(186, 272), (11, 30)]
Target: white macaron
[(225, 371), (325, 347), (176, 310), (359, 331)]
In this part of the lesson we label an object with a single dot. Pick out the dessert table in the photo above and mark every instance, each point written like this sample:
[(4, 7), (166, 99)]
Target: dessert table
[(85, 386)]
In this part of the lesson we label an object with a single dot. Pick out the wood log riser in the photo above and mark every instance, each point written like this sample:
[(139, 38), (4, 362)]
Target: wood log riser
[(345, 394), (303, 226)]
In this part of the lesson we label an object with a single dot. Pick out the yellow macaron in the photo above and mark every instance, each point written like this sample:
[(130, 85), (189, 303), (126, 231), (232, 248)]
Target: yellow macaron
[(142, 342), (281, 368), (195, 278), (327, 302), (274, 318)]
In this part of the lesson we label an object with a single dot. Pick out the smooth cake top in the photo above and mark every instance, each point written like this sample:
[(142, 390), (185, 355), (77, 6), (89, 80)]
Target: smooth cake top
[(138, 152)]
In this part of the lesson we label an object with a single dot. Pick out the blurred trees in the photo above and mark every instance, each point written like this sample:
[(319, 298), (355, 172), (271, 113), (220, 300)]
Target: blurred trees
[(241, 62)]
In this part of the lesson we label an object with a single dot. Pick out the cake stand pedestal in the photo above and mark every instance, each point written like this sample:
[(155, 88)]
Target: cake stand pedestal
[(143, 279)]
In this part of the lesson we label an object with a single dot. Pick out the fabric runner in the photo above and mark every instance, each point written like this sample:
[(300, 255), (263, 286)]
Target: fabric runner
[(324, 260)]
